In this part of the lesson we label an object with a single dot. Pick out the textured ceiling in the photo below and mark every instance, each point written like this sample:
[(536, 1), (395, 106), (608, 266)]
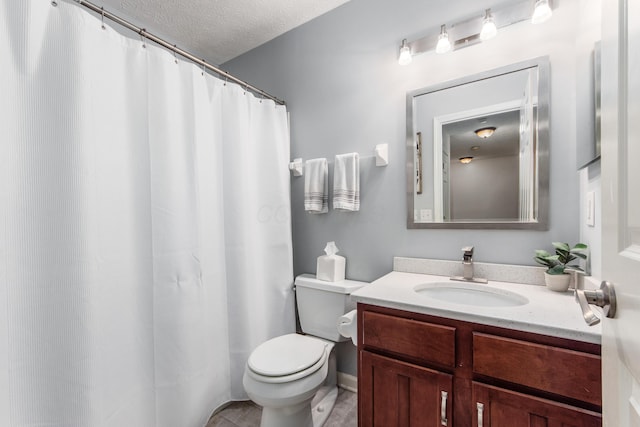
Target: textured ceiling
[(218, 30)]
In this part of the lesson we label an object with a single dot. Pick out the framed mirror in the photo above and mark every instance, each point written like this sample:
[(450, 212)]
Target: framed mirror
[(478, 150)]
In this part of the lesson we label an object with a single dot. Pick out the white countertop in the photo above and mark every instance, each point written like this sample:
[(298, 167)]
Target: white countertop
[(547, 312)]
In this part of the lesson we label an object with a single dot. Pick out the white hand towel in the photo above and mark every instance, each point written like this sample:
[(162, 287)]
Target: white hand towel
[(316, 186), (346, 182)]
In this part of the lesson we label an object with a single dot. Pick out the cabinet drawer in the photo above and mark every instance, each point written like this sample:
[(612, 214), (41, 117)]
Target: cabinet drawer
[(417, 340), (569, 373)]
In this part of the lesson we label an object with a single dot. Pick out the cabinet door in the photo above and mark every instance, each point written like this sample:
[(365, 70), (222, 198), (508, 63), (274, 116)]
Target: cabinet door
[(497, 407), (400, 394)]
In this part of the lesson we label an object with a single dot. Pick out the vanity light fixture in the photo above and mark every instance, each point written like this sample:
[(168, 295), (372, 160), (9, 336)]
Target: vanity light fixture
[(489, 29), (405, 53), (465, 160), (541, 12), (485, 133), (444, 45), (476, 28)]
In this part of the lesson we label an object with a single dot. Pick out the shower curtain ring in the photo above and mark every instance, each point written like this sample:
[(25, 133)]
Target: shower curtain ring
[(102, 18), (204, 63), (54, 3), (175, 56), (143, 38)]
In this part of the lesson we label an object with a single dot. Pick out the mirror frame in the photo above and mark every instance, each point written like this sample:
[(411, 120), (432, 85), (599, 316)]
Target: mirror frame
[(542, 223)]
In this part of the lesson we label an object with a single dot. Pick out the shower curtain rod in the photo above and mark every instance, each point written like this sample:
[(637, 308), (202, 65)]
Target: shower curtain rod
[(143, 33)]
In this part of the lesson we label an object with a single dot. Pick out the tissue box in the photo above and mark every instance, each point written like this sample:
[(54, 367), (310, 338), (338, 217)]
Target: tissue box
[(330, 268)]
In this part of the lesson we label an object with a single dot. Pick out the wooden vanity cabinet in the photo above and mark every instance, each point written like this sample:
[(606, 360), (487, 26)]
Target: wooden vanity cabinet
[(422, 370)]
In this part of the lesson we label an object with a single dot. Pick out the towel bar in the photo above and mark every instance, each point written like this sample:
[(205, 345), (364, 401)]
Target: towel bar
[(381, 154)]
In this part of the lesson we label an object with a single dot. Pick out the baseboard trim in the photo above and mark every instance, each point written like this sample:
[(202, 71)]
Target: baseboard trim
[(348, 382)]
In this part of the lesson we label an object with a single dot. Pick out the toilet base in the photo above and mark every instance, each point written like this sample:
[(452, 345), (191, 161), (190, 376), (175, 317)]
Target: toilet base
[(312, 413), (321, 410), (292, 416)]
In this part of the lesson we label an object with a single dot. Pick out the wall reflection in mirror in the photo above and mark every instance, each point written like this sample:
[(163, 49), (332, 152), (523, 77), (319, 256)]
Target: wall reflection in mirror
[(479, 147)]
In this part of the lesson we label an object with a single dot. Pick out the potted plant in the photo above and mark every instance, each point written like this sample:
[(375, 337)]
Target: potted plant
[(556, 277)]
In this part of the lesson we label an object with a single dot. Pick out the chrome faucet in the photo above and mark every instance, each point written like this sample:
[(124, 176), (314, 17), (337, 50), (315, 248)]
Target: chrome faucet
[(467, 267), (467, 263)]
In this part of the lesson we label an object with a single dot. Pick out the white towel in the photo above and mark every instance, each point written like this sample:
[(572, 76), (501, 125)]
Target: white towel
[(316, 186), (346, 182)]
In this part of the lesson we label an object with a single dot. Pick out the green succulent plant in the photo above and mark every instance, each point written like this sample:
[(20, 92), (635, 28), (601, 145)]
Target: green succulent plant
[(564, 254)]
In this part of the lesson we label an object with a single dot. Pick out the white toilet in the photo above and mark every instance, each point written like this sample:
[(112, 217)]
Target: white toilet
[(293, 377)]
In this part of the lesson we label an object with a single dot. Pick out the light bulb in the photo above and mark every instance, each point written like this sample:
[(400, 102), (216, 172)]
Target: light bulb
[(443, 45), (541, 12), (405, 53), (489, 29)]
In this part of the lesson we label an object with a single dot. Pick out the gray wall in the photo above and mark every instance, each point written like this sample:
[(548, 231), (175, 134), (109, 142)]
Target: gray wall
[(346, 92), (589, 33), (485, 189)]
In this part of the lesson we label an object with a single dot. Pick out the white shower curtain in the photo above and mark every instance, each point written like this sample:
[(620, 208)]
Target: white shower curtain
[(145, 239)]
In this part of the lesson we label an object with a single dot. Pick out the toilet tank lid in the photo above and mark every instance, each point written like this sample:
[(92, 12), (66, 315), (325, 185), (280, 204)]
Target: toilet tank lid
[(342, 287)]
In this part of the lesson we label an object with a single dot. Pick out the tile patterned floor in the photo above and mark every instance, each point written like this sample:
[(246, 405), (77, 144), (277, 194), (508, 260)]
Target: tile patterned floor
[(247, 414)]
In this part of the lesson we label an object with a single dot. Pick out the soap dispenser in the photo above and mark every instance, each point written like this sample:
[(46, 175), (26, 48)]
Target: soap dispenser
[(330, 267)]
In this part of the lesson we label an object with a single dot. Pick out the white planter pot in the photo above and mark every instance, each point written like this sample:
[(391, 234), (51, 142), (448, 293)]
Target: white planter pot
[(557, 282)]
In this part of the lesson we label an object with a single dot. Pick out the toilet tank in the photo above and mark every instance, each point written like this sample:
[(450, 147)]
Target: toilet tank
[(321, 303)]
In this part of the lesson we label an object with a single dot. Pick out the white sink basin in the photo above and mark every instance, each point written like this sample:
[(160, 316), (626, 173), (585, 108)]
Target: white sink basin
[(470, 294)]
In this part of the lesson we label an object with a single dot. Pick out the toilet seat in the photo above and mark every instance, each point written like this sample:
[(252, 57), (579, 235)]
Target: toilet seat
[(287, 358)]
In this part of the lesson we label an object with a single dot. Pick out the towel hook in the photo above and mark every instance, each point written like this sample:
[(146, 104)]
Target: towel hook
[(297, 167), (382, 154)]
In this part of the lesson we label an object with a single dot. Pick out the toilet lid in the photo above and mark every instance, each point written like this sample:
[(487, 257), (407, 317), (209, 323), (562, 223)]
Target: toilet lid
[(286, 354)]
